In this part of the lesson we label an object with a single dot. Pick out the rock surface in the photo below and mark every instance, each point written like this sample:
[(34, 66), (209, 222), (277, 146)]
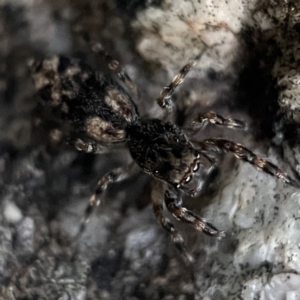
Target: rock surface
[(247, 68)]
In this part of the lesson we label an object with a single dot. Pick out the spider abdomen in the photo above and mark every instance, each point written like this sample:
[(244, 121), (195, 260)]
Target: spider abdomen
[(95, 105)]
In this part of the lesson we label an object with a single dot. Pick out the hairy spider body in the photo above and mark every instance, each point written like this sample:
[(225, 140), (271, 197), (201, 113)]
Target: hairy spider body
[(162, 150), (98, 108), (101, 113)]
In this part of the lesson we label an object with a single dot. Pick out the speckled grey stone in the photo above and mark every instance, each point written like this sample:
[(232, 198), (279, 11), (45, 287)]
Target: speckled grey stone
[(248, 70)]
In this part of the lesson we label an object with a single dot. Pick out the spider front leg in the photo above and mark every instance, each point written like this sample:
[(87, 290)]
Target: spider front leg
[(211, 117), (164, 100), (157, 203), (115, 66), (94, 201), (239, 151), (181, 213)]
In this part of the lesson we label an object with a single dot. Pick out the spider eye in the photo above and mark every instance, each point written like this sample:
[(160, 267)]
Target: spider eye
[(188, 179), (196, 167)]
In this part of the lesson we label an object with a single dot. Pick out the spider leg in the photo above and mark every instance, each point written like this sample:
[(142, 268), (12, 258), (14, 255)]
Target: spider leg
[(239, 151), (157, 203), (164, 100), (115, 66), (185, 215), (211, 117), (115, 175), (88, 147)]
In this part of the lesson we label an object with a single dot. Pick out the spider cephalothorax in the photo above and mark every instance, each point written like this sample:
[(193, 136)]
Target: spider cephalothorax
[(99, 113), (162, 150)]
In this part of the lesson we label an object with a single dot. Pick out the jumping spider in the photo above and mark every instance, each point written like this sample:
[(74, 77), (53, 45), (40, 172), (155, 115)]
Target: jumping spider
[(100, 113)]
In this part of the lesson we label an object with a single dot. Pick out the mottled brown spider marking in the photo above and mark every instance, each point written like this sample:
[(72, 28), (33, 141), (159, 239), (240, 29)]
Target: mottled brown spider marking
[(119, 103), (100, 130), (46, 82), (40, 77)]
